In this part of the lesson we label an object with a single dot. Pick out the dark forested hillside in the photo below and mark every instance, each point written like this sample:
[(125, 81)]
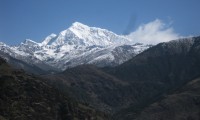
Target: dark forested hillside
[(26, 97), (160, 70), (90, 85), (183, 104)]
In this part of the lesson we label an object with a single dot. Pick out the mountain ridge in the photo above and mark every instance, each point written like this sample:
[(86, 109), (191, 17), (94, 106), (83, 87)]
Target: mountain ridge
[(73, 46)]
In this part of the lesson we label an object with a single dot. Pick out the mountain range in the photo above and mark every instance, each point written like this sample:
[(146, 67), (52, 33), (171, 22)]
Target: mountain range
[(126, 90), (99, 75), (79, 44)]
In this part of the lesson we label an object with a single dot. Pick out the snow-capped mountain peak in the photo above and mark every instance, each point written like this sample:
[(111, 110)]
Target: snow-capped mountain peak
[(2, 44), (29, 43), (78, 25), (95, 36), (79, 44), (49, 39)]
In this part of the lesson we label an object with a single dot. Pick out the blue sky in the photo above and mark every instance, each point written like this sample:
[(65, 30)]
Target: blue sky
[(35, 19)]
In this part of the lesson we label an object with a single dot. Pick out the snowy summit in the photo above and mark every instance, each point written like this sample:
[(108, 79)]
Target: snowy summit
[(79, 44)]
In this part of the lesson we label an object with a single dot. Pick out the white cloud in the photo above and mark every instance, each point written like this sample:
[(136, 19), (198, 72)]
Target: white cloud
[(153, 32)]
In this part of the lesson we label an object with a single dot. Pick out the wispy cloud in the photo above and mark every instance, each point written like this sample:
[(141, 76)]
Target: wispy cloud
[(154, 32)]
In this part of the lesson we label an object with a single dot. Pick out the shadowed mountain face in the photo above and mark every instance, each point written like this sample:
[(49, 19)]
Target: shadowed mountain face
[(90, 85), (26, 97), (127, 89)]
